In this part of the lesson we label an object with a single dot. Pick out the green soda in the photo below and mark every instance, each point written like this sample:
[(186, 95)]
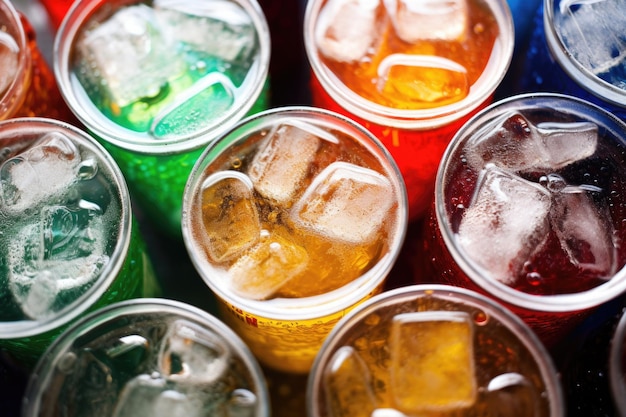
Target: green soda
[(68, 241), (157, 81)]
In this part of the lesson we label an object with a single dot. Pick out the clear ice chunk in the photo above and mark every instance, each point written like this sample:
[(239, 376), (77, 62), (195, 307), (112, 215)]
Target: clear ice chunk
[(267, 267), (422, 78), (128, 58), (345, 202), (190, 354), (219, 28), (45, 169), (423, 20), (9, 60), (387, 412), (231, 219), (54, 259), (514, 143), (432, 362), (348, 385), (506, 221), (585, 232), (594, 32), (347, 29), (511, 394)]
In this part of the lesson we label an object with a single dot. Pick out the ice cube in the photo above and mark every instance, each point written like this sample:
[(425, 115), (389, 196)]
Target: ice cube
[(127, 58), (511, 394), (387, 412), (585, 232), (506, 221), (423, 20), (9, 54), (45, 169), (513, 142), (129, 352), (348, 29), (192, 354), (593, 32), (231, 220), (268, 266), (345, 202), (348, 385), (220, 28), (432, 361), (241, 403), (423, 78)]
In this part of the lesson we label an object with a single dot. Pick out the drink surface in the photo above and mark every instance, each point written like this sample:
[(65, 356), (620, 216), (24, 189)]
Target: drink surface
[(295, 208), (427, 354), (406, 56), (534, 200)]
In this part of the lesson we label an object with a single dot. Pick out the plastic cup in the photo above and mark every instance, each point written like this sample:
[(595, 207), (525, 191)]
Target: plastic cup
[(167, 90), (68, 239), (147, 357), (433, 350), (27, 86), (410, 75), (292, 218), (617, 366), (529, 208)]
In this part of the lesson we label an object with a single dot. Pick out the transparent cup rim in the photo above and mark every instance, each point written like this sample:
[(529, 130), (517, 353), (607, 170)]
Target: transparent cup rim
[(15, 93), (581, 75), (480, 92), (459, 296), (26, 328), (39, 380), (308, 307), (548, 303), (617, 379), (86, 111)]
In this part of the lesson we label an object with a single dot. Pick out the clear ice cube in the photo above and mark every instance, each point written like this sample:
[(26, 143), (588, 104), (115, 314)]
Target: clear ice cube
[(585, 232), (511, 394), (593, 32), (345, 202), (514, 143), (45, 169), (422, 78), (283, 160), (231, 220), (348, 29), (272, 263), (220, 28), (423, 20), (55, 258), (128, 57), (504, 224), (348, 385), (432, 361), (9, 60), (190, 354)]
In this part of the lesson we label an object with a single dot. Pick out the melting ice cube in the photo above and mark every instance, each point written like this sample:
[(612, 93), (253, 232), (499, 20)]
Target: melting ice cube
[(192, 354), (231, 220), (220, 28), (45, 169), (348, 29), (506, 221), (348, 384), (128, 57), (283, 160), (345, 202), (9, 50), (432, 361), (512, 394), (513, 142), (417, 20), (585, 232), (267, 267)]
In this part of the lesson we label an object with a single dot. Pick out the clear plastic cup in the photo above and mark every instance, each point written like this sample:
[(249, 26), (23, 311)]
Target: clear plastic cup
[(147, 357), (433, 350), (292, 218)]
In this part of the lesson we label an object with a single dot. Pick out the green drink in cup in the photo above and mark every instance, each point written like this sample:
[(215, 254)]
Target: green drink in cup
[(68, 242), (156, 81)]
